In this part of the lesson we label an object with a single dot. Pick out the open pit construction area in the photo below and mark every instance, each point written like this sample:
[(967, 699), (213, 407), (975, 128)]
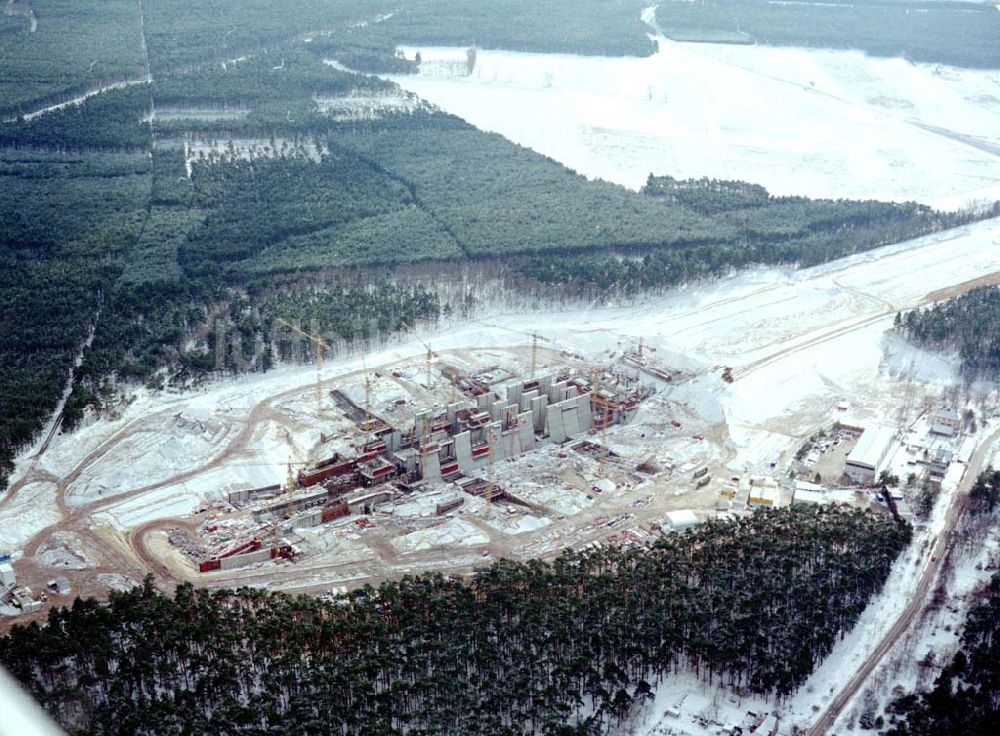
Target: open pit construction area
[(507, 436)]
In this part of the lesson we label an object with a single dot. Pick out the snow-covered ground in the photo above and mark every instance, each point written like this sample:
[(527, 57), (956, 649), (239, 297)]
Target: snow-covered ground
[(799, 121), (151, 454), (915, 662), (449, 533), (33, 509), (163, 503), (68, 551), (798, 343)]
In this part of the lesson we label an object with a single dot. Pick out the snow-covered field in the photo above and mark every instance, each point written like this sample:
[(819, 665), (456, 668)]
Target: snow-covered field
[(151, 454), (799, 121), (32, 510)]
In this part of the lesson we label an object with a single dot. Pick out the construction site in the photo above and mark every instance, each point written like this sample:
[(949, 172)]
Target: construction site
[(443, 461), (418, 476), (604, 426)]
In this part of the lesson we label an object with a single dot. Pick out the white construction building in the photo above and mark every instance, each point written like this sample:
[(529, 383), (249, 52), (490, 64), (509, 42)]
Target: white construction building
[(869, 454), (678, 521)]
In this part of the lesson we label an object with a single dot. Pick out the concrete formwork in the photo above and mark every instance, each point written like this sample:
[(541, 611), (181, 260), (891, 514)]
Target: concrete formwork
[(539, 410), (431, 465), (571, 418), (585, 412), (554, 426), (453, 410), (248, 558), (463, 451), (423, 422), (544, 383), (568, 418), (393, 440), (526, 431), (514, 392)]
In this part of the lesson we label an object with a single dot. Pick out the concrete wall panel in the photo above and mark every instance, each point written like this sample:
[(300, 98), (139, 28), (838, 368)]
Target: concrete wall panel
[(463, 452)]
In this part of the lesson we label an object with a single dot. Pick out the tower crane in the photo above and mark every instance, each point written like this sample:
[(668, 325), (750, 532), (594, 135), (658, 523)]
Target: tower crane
[(641, 348), (535, 338), (320, 345), (491, 439), (597, 400), (425, 438), (430, 356), (290, 488), (368, 395)]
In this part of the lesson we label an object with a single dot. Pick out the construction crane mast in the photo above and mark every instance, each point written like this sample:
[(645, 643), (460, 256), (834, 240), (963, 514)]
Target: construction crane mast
[(430, 356), (368, 395), (535, 337), (597, 400), (320, 345), (290, 488), (425, 438), (640, 347), (491, 439)]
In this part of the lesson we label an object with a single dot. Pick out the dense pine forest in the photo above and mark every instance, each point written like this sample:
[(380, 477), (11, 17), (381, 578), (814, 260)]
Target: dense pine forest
[(986, 492), (753, 228), (968, 325), (574, 646), (160, 230), (965, 698), (966, 695), (74, 48)]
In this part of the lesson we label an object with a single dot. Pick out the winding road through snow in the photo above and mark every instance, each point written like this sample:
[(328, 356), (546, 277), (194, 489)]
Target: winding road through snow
[(959, 504)]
